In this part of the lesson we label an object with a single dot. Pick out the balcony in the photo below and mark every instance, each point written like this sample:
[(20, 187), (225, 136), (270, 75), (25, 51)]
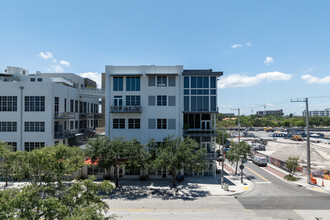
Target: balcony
[(86, 115), (64, 115), (91, 92), (98, 115), (86, 130), (64, 134), (126, 109), (200, 132)]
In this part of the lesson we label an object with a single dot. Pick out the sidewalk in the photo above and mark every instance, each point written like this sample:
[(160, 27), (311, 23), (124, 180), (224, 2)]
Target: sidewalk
[(302, 180)]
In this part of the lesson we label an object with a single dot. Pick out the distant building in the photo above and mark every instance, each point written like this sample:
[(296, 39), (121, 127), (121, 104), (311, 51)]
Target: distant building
[(46, 108), (325, 112), (270, 112)]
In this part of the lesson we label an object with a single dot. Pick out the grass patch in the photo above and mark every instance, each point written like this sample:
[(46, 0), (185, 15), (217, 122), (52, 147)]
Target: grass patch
[(290, 177)]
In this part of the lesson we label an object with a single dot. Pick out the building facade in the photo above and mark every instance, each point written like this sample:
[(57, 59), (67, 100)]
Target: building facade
[(325, 112), (270, 112), (45, 109), (147, 102)]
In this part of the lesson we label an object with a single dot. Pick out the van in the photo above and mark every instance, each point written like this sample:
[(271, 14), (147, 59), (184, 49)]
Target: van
[(260, 161)]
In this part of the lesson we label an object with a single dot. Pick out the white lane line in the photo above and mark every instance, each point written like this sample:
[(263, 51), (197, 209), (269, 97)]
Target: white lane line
[(220, 202), (261, 182)]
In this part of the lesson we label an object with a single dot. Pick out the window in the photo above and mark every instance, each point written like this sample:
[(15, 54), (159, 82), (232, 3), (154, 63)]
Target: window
[(85, 107), (56, 104), (213, 103), (161, 81), (134, 123), (71, 105), (186, 82), (199, 103), (186, 91), (186, 103), (161, 100), (32, 79), (171, 100), (151, 81), (13, 145), (213, 91), (118, 123), (193, 82), (117, 83), (8, 126), (29, 146), (34, 103), (39, 79), (71, 125), (161, 123), (76, 124), (171, 81), (151, 123), (199, 82), (132, 83), (133, 100), (171, 124), (8, 103), (65, 105), (81, 104), (34, 126), (213, 82), (151, 100), (205, 82)]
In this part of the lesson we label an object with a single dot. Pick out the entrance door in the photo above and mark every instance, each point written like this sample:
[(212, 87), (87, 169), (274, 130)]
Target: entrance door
[(118, 102)]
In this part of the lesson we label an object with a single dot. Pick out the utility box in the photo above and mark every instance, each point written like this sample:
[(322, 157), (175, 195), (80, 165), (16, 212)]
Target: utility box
[(226, 186)]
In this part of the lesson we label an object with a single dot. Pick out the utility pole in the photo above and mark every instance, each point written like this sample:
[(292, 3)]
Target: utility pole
[(308, 140), (239, 125), (223, 156)]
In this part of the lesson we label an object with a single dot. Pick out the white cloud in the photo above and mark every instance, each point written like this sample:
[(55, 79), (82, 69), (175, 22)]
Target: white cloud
[(46, 55), (236, 46), (315, 80), (64, 63), (93, 76), (57, 68), (270, 105), (226, 106), (239, 80), (249, 44), (269, 60)]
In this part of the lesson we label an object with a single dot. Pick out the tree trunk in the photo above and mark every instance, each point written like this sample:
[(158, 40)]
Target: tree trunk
[(236, 167), (173, 177), (116, 174)]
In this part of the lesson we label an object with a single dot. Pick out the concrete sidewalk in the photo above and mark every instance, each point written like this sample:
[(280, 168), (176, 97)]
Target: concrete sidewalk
[(302, 180)]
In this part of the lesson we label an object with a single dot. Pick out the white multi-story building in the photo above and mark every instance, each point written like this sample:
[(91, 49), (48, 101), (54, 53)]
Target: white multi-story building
[(325, 112), (147, 102), (46, 108)]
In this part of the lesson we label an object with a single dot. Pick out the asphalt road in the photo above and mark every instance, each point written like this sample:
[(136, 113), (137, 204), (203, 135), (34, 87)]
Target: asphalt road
[(271, 193)]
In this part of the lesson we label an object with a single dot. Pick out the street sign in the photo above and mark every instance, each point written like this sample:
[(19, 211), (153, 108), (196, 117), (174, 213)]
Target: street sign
[(241, 166)]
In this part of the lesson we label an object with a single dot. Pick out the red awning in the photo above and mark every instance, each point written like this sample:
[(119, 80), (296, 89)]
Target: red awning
[(89, 162)]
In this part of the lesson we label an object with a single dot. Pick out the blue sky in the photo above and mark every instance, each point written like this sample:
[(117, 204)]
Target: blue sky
[(270, 51)]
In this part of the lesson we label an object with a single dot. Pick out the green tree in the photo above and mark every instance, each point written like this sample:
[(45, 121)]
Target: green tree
[(236, 151), (108, 153), (6, 158), (75, 201), (292, 164), (174, 154)]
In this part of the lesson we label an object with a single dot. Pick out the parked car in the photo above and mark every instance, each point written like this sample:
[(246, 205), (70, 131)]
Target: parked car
[(260, 161)]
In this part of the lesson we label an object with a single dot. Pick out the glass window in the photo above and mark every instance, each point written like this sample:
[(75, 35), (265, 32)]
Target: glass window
[(35, 103), (117, 83), (132, 83), (39, 79), (213, 103), (134, 123), (193, 82), (199, 82), (193, 103), (199, 103), (186, 82), (205, 92), (171, 81), (133, 100), (151, 80), (186, 103), (186, 91), (213, 82), (161, 81), (8, 103), (32, 79), (213, 91), (161, 100), (199, 91), (119, 123), (161, 123), (205, 103), (194, 91), (205, 82)]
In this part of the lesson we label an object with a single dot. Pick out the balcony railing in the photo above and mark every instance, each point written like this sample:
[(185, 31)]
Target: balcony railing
[(126, 109), (98, 115), (200, 132), (211, 156), (86, 115), (86, 130), (64, 134), (64, 115)]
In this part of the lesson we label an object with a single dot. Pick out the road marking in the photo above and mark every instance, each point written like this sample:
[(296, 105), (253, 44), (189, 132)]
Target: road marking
[(317, 189), (249, 210), (220, 202), (246, 188), (258, 175), (262, 182)]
